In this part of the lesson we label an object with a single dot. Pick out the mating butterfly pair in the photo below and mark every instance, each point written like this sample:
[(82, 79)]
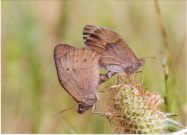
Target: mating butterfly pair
[(78, 69)]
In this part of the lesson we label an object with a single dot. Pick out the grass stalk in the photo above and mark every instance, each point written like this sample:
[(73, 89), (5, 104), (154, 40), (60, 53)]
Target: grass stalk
[(167, 65)]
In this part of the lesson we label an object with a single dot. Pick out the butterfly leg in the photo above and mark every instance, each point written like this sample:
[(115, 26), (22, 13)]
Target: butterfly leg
[(139, 71), (105, 77), (110, 74), (107, 115), (94, 110), (134, 78)]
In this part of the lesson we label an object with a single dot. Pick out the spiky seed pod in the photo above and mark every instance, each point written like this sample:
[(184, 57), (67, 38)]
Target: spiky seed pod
[(134, 110)]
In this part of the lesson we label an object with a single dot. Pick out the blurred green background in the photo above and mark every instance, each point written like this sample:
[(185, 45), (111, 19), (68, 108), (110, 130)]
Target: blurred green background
[(31, 93)]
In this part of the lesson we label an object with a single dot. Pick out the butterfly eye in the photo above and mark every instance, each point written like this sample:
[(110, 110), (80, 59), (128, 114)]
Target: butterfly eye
[(130, 69), (141, 62), (80, 109)]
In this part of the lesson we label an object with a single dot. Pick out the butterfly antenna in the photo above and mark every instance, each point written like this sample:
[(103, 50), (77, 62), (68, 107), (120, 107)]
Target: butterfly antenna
[(63, 110), (151, 57)]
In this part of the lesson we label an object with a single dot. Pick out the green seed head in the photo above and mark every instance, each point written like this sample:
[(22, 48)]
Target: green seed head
[(134, 110)]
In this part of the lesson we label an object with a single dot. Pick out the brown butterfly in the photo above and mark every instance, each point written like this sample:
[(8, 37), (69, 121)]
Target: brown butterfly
[(116, 56), (78, 73)]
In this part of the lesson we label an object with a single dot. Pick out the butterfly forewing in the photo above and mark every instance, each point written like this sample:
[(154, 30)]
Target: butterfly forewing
[(113, 49), (98, 37), (78, 73)]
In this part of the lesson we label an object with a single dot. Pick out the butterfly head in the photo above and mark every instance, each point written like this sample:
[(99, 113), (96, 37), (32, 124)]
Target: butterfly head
[(141, 62), (81, 109), (87, 103), (132, 69)]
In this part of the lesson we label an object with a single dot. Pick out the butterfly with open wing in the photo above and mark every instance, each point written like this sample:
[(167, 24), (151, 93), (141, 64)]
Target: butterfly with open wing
[(116, 56), (78, 73)]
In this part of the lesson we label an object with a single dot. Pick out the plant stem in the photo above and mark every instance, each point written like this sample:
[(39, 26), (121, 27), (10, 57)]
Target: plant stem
[(180, 132), (166, 91)]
